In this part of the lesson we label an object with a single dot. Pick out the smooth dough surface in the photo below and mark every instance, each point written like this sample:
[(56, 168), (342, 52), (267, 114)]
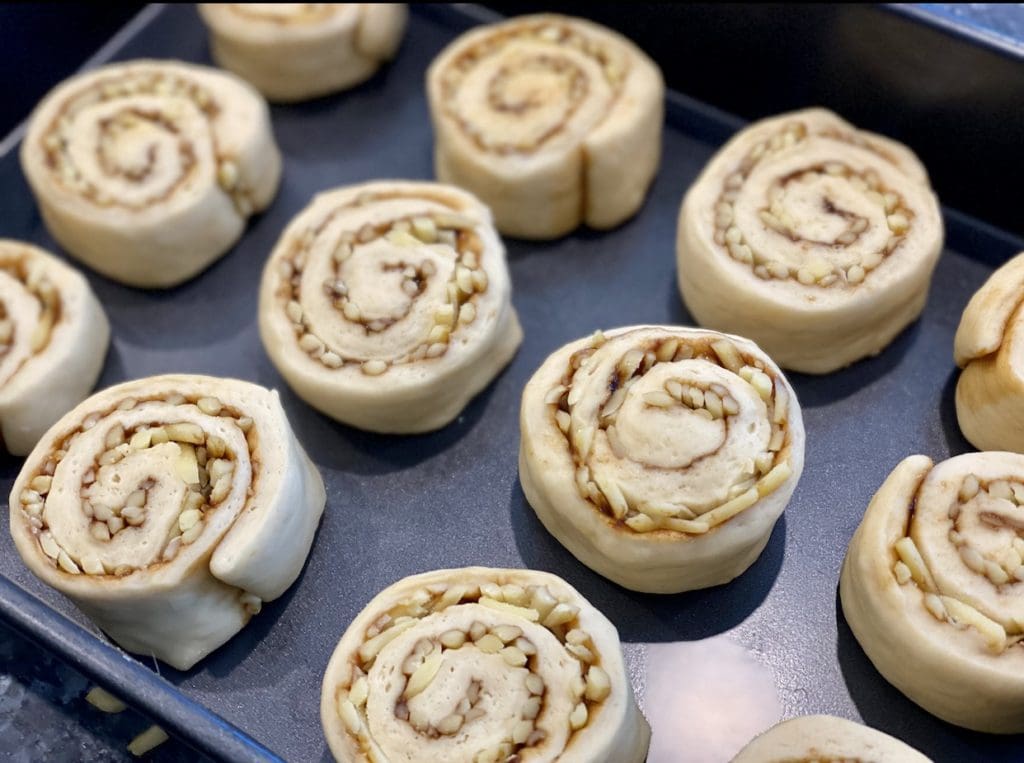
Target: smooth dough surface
[(933, 587), (826, 738), (660, 456), (989, 347), (168, 509), (53, 341), (813, 238), (478, 664), (554, 122), (147, 171), (297, 51), (387, 305)]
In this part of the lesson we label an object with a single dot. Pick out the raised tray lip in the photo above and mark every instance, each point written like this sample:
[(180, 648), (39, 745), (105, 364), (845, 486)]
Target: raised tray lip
[(147, 691), (127, 678), (932, 15)]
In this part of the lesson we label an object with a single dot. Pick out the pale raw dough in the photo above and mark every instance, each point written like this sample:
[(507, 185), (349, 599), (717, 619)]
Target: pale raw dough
[(989, 347), (387, 305), (552, 121), (826, 738), (78, 526), (147, 171), (813, 238), (652, 485), (483, 645), (945, 629), (297, 51), (54, 341)]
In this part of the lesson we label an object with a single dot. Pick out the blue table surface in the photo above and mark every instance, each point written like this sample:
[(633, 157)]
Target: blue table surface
[(43, 713)]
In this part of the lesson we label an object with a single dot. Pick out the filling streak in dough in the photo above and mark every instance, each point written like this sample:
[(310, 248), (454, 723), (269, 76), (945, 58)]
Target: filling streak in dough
[(148, 170), (481, 666), (387, 305), (552, 121), (932, 587), (661, 456), (169, 509), (813, 238), (53, 341)]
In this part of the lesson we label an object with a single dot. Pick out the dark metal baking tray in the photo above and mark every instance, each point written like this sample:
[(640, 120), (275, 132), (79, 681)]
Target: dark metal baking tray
[(400, 505)]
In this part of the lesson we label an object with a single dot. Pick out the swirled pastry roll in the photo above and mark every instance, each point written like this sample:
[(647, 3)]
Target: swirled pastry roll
[(933, 587), (813, 238), (168, 509), (147, 171), (661, 457), (552, 121), (481, 665), (53, 341), (989, 349), (387, 305), (296, 51), (826, 738)]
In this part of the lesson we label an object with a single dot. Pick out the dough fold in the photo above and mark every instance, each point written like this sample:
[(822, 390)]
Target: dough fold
[(932, 587), (813, 238), (297, 51), (387, 305), (989, 346), (53, 341), (660, 456), (147, 171), (168, 509), (480, 665), (552, 121)]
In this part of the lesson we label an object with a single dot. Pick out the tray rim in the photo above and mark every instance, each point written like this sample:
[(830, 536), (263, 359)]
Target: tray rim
[(980, 36), (145, 690)]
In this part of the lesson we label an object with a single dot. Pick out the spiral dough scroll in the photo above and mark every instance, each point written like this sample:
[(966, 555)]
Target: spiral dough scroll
[(53, 341), (933, 587), (989, 347), (813, 238), (387, 305), (826, 739), (168, 509), (552, 121), (481, 665), (661, 457), (147, 171), (296, 51)]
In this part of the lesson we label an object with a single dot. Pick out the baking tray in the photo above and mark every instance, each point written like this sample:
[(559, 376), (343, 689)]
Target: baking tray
[(711, 668)]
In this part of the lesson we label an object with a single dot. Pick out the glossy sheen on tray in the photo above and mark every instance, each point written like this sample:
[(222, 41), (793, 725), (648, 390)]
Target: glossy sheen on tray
[(771, 644)]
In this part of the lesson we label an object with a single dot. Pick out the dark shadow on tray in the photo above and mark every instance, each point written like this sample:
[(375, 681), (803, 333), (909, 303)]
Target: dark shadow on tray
[(186, 316), (678, 314), (522, 249), (113, 368), (955, 439), (825, 389), (335, 124), (650, 617), (343, 448), (884, 707)]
